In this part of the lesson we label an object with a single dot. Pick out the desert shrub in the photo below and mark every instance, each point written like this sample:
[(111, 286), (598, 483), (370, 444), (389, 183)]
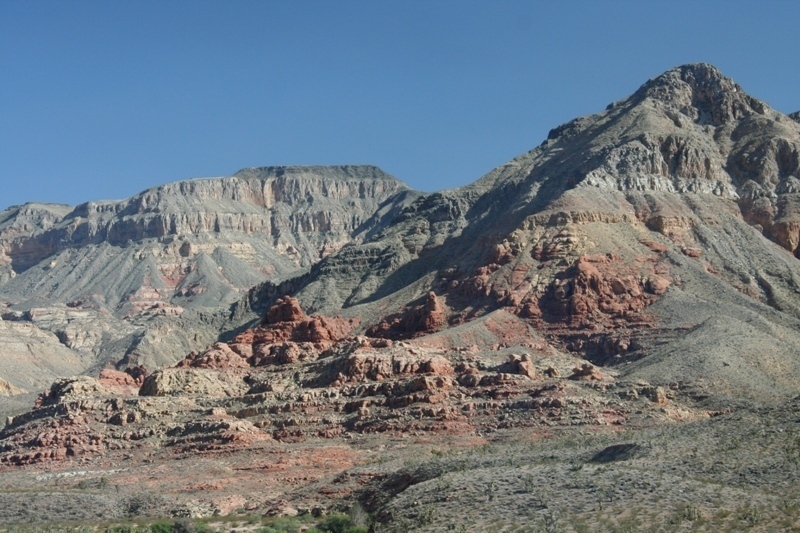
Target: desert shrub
[(491, 489), (427, 516), (183, 525), (336, 523), (281, 525), (750, 514), (161, 527), (359, 517), (692, 513), (340, 523), (529, 483), (142, 504)]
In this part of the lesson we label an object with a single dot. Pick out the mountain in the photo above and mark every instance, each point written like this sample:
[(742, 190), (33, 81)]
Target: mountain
[(628, 236), (598, 335), (136, 279)]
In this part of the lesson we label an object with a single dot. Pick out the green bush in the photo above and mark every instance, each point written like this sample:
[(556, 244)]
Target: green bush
[(183, 525), (340, 523), (128, 528), (336, 523), (202, 527), (281, 525), (143, 504), (161, 527)]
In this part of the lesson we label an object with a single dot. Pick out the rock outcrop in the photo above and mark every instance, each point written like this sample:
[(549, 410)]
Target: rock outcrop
[(286, 335), (190, 382), (414, 321), (80, 387), (7, 389)]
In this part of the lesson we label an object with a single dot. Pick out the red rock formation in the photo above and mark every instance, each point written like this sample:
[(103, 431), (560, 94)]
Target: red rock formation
[(286, 321), (119, 382), (138, 373), (413, 322), (286, 335), (523, 365), (220, 355), (286, 309), (602, 286), (587, 372), (377, 367)]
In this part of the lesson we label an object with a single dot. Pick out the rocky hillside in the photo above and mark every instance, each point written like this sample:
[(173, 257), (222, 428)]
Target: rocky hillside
[(574, 322), (135, 278), (656, 236)]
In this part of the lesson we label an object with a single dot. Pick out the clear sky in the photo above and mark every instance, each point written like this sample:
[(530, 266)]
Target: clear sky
[(100, 100)]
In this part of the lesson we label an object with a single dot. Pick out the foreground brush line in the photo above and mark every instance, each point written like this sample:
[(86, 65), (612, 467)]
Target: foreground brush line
[(335, 523), (600, 335)]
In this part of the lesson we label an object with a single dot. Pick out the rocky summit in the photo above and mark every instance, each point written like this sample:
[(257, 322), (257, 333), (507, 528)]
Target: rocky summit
[(600, 335)]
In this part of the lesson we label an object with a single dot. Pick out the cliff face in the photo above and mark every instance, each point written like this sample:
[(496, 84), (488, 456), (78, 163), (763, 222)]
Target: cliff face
[(231, 232), (132, 268), (304, 211)]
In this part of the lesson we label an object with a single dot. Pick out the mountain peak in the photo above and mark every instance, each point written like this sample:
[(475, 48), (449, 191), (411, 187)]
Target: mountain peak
[(701, 91), (698, 76), (705, 71)]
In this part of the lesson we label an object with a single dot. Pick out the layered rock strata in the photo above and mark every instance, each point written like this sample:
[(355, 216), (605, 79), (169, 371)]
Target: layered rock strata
[(134, 281)]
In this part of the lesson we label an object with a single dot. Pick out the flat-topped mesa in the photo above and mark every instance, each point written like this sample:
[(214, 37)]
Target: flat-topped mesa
[(335, 172), (317, 199), (282, 202)]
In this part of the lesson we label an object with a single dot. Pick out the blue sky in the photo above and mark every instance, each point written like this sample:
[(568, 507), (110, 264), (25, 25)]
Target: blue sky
[(103, 99)]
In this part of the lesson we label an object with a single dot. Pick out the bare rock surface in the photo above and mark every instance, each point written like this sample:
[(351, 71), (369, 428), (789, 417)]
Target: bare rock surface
[(186, 382), (7, 389)]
